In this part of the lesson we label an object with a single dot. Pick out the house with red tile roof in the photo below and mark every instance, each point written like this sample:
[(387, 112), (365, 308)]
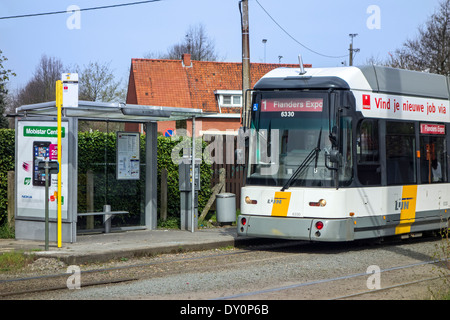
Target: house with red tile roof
[(214, 87)]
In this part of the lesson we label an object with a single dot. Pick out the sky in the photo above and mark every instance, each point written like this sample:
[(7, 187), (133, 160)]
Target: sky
[(116, 35)]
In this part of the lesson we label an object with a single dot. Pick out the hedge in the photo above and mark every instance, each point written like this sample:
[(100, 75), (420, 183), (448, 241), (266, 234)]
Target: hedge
[(7, 148), (121, 195)]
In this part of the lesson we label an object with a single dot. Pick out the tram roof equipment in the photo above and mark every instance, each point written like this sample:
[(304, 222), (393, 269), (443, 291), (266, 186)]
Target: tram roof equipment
[(377, 79)]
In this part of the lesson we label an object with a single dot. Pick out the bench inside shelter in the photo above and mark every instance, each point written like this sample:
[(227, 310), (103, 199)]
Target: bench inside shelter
[(107, 216)]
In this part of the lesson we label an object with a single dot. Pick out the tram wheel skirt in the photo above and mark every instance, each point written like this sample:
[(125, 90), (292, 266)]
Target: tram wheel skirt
[(296, 228), (335, 230)]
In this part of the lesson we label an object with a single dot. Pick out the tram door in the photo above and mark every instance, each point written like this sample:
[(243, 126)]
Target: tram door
[(433, 160), (433, 164)]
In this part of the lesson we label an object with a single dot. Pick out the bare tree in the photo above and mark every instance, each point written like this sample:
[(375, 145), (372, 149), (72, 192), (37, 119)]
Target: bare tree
[(430, 51), (196, 42), (41, 88), (97, 83)]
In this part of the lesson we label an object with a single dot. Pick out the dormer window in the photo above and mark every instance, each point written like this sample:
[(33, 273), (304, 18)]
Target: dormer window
[(229, 98)]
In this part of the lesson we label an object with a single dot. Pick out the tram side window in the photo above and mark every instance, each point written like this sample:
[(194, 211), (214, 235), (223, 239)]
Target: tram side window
[(368, 154), (400, 153), (433, 167)]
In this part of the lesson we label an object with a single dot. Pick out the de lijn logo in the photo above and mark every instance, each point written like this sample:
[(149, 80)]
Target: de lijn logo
[(402, 204)]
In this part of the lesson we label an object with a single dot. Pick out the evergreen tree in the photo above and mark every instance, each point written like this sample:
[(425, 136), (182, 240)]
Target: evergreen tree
[(4, 77)]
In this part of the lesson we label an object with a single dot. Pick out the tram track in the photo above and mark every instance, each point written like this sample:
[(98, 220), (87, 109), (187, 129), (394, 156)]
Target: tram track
[(374, 291), (53, 282), (284, 256), (63, 287), (261, 294)]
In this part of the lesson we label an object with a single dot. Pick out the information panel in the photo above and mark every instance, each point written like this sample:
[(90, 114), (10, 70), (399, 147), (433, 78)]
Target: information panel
[(127, 159)]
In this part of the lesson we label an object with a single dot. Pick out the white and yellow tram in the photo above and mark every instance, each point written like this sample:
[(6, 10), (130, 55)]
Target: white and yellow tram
[(339, 154)]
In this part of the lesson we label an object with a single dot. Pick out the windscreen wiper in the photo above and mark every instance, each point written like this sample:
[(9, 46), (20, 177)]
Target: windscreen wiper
[(318, 150), (313, 154)]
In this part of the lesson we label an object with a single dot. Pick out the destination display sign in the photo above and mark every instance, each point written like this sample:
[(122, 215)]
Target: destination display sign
[(432, 128), (292, 105)]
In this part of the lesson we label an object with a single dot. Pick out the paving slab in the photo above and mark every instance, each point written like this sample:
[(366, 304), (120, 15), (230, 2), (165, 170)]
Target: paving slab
[(102, 247)]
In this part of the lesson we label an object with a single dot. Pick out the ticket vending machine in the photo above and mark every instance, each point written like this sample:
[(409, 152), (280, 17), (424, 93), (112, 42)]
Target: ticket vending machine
[(185, 187)]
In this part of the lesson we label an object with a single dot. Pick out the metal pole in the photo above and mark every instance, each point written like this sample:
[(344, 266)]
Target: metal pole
[(59, 102), (193, 177), (46, 205), (351, 55), (352, 35), (245, 62), (151, 175), (107, 218), (264, 41)]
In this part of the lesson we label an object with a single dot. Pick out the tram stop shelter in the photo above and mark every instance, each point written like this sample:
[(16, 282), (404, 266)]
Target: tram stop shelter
[(36, 138)]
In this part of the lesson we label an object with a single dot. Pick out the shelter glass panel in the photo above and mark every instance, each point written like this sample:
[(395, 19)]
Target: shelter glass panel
[(98, 184)]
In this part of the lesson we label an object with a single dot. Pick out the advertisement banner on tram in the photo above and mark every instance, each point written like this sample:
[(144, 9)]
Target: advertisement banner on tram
[(402, 107)]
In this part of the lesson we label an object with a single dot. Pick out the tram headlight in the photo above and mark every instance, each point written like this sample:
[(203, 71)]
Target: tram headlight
[(250, 201), (320, 203)]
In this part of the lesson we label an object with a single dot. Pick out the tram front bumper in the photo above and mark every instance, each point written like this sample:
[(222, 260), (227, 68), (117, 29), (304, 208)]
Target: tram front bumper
[(335, 230)]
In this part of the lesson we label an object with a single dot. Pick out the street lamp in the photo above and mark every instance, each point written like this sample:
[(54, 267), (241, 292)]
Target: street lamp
[(351, 50), (264, 41)]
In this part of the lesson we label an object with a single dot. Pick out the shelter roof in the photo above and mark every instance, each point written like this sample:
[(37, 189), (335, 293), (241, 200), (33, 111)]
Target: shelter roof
[(88, 110)]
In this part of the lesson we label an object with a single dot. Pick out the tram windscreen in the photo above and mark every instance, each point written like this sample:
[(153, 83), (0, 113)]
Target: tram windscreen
[(286, 129)]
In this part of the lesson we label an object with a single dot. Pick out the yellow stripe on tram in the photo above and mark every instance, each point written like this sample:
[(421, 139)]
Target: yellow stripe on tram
[(408, 209), (281, 204)]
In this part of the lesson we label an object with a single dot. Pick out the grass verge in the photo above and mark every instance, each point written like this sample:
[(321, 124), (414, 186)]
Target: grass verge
[(14, 261)]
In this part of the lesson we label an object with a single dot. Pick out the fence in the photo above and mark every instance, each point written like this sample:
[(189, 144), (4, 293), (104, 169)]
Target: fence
[(224, 157)]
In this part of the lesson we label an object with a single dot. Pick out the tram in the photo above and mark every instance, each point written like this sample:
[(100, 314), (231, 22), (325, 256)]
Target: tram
[(340, 154)]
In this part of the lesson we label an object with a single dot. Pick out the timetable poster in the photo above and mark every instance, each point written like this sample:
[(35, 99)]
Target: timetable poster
[(128, 161)]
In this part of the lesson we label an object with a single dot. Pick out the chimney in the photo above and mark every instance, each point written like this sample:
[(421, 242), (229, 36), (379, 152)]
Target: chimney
[(186, 60)]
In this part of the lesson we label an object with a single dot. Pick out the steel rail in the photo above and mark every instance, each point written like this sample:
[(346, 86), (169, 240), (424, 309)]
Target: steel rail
[(388, 288), (240, 251), (62, 287), (315, 282)]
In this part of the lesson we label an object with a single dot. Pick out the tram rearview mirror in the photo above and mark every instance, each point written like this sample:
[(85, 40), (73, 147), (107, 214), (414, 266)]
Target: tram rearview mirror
[(334, 156), (346, 99), (333, 136)]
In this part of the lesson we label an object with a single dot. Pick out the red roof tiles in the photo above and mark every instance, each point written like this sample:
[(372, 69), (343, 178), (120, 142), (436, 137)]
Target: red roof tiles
[(176, 83)]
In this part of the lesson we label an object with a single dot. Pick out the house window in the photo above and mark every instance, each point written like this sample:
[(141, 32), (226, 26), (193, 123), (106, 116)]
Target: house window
[(226, 100), (229, 98)]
